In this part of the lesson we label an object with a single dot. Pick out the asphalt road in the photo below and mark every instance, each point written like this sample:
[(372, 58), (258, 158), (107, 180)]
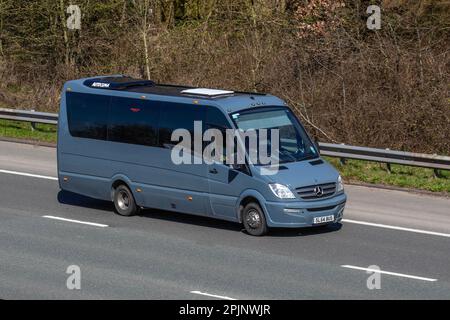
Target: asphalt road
[(164, 255)]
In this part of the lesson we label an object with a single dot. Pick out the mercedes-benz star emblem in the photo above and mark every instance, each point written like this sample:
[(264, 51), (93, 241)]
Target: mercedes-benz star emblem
[(318, 191)]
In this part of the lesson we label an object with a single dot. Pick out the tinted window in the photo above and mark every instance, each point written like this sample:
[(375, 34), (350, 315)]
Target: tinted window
[(133, 121), (178, 116), (87, 115), (216, 119)]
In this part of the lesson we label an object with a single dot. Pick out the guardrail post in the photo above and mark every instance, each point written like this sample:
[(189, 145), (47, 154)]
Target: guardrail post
[(388, 167), (437, 173), (343, 161), (33, 124)]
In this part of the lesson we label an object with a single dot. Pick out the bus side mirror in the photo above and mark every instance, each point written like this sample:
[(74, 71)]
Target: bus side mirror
[(238, 167)]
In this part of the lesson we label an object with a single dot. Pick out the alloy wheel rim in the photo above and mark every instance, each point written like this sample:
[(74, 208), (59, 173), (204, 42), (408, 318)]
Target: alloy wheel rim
[(253, 219), (123, 200)]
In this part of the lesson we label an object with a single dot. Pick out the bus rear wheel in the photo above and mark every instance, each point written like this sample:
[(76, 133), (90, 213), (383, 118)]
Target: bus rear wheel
[(124, 202), (254, 220)]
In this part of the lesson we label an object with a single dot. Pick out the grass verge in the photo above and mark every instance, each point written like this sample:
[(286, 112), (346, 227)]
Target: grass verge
[(353, 171), (23, 130), (399, 176)]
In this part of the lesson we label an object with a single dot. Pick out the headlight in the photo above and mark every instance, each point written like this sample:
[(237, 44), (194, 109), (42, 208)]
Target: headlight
[(281, 191), (340, 185)]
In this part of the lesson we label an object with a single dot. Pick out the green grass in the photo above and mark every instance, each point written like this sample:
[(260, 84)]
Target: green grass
[(23, 130), (400, 176), (352, 171)]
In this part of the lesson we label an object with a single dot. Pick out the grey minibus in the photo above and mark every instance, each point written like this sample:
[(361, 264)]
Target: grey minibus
[(115, 144)]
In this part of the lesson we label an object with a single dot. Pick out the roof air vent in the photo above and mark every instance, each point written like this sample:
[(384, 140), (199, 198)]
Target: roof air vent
[(207, 92)]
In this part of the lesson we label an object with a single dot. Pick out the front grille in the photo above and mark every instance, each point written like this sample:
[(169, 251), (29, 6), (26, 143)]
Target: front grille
[(309, 192)]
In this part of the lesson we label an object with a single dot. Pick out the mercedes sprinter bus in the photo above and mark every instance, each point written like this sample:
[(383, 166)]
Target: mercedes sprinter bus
[(115, 144)]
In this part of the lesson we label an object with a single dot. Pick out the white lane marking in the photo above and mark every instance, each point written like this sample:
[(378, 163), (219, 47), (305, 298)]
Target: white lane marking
[(77, 221), (212, 295), (390, 273), (385, 226), (28, 175)]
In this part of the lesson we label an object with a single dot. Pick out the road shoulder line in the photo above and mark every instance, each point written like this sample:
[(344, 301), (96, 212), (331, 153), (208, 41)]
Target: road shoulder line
[(385, 226)]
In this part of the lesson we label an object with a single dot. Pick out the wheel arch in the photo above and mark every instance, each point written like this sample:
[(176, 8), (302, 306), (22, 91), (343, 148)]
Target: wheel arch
[(118, 180), (250, 196)]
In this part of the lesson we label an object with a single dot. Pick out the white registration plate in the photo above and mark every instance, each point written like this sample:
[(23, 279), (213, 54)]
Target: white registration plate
[(325, 219)]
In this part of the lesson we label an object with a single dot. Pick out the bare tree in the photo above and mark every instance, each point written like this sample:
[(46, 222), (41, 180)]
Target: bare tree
[(143, 15)]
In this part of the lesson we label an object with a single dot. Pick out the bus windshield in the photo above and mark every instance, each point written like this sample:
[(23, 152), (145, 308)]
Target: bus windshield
[(294, 144)]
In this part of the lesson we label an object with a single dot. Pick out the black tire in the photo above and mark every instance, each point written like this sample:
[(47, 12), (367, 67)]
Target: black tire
[(124, 202), (254, 220)]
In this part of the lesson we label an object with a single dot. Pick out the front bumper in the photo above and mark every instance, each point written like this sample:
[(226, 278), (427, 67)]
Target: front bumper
[(297, 214)]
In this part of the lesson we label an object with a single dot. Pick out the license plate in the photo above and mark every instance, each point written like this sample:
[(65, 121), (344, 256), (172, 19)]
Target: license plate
[(325, 219)]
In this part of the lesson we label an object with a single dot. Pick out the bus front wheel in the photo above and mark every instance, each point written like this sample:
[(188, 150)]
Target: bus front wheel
[(254, 220)]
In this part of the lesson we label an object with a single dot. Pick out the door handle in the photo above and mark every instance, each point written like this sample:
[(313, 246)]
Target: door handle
[(213, 171)]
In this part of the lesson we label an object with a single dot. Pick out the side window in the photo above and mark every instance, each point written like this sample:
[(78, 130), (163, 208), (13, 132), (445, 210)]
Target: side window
[(87, 115), (217, 120), (133, 121), (178, 116)]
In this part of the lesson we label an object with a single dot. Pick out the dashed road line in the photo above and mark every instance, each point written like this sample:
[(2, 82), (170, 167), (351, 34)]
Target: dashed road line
[(389, 273), (29, 175), (77, 221), (212, 295)]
